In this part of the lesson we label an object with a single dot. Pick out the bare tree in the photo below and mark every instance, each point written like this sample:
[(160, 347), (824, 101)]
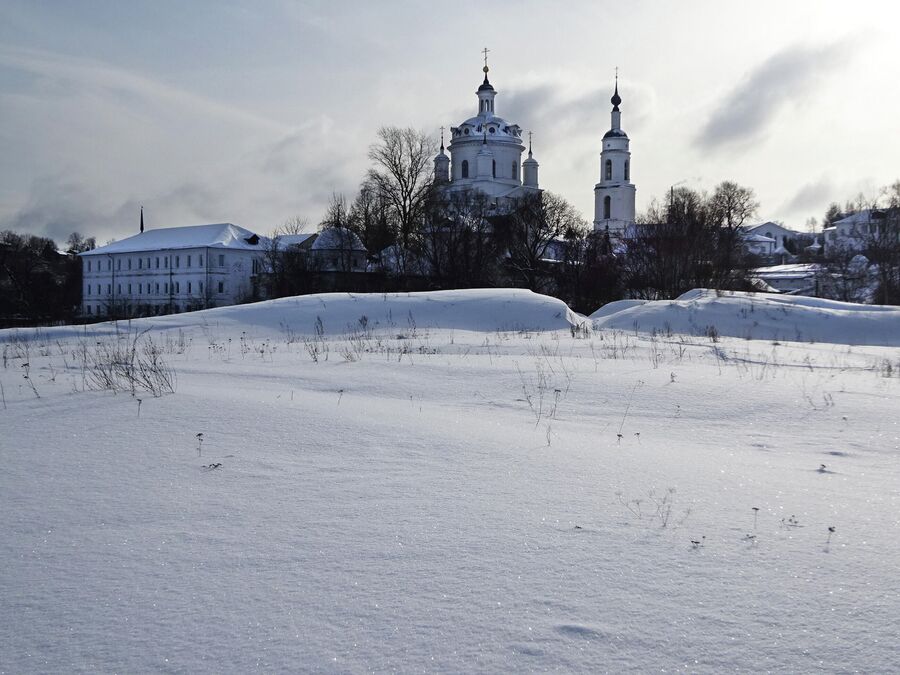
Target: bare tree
[(369, 218), (458, 241), (402, 176), (78, 244), (528, 231), (729, 208)]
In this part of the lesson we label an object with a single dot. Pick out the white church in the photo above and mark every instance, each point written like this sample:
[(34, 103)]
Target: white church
[(486, 155)]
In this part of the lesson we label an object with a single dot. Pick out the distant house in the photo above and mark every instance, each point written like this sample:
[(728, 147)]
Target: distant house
[(337, 249), (772, 230), (796, 279), (769, 240), (170, 270), (760, 245), (854, 231)]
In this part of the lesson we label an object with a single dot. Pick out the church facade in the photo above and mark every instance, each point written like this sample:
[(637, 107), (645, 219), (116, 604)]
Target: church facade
[(486, 154)]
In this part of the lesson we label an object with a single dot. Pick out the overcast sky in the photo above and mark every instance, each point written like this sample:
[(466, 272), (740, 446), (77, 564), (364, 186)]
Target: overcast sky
[(252, 113)]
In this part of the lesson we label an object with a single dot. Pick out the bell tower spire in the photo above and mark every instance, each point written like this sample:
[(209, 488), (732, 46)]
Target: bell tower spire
[(486, 92)]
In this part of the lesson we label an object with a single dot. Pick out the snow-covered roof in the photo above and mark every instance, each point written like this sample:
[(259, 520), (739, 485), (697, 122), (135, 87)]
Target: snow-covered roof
[(285, 240), (858, 218), (791, 271), (759, 239), (218, 235), (337, 239), (769, 225)]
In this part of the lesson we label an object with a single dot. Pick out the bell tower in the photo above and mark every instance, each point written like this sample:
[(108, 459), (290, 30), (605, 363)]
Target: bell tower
[(614, 194)]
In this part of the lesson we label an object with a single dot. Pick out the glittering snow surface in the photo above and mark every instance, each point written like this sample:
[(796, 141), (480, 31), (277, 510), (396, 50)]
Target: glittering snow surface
[(469, 481)]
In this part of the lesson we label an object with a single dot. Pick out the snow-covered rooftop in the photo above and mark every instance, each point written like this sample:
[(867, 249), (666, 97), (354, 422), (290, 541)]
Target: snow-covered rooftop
[(338, 239), (769, 225), (217, 235), (285, 240), (798, 270)]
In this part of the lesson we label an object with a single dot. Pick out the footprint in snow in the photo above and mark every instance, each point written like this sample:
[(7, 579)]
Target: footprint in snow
[(575, 630)]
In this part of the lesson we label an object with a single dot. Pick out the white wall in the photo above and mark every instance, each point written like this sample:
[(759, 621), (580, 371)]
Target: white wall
[(169, 280)]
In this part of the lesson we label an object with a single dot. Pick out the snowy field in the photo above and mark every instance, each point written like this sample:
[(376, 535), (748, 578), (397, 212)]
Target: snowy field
[(467, 481)]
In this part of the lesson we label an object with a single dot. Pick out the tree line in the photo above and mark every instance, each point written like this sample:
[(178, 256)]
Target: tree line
[(40, 284)]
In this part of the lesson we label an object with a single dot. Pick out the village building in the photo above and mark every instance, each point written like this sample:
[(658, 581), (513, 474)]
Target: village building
[(170, 270), (854, 232)]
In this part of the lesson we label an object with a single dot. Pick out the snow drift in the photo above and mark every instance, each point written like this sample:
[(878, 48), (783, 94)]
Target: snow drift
[(480, 310), (760, 316)]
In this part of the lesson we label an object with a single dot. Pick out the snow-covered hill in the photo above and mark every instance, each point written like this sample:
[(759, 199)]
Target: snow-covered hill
[(759, 316), (482, 310), (478, 489)]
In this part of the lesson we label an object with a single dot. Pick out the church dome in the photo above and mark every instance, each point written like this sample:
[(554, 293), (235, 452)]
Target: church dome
[(615, 133), (489, 125)]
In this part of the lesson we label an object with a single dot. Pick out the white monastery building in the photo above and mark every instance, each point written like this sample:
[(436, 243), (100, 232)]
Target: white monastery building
[(486, 154), (171, 270), (614, 194)]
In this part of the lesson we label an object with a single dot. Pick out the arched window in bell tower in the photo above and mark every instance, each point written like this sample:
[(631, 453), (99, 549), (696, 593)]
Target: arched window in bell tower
[(607, 174), (515, 171), (627, 169), (465, 168), (607, 206), (494, 168)]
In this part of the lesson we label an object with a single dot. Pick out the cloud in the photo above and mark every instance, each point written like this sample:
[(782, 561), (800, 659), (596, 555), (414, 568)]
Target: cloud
[(187, 158), (118, 81), (258, 189), (557, 110), (811, 197), (789, 78)]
